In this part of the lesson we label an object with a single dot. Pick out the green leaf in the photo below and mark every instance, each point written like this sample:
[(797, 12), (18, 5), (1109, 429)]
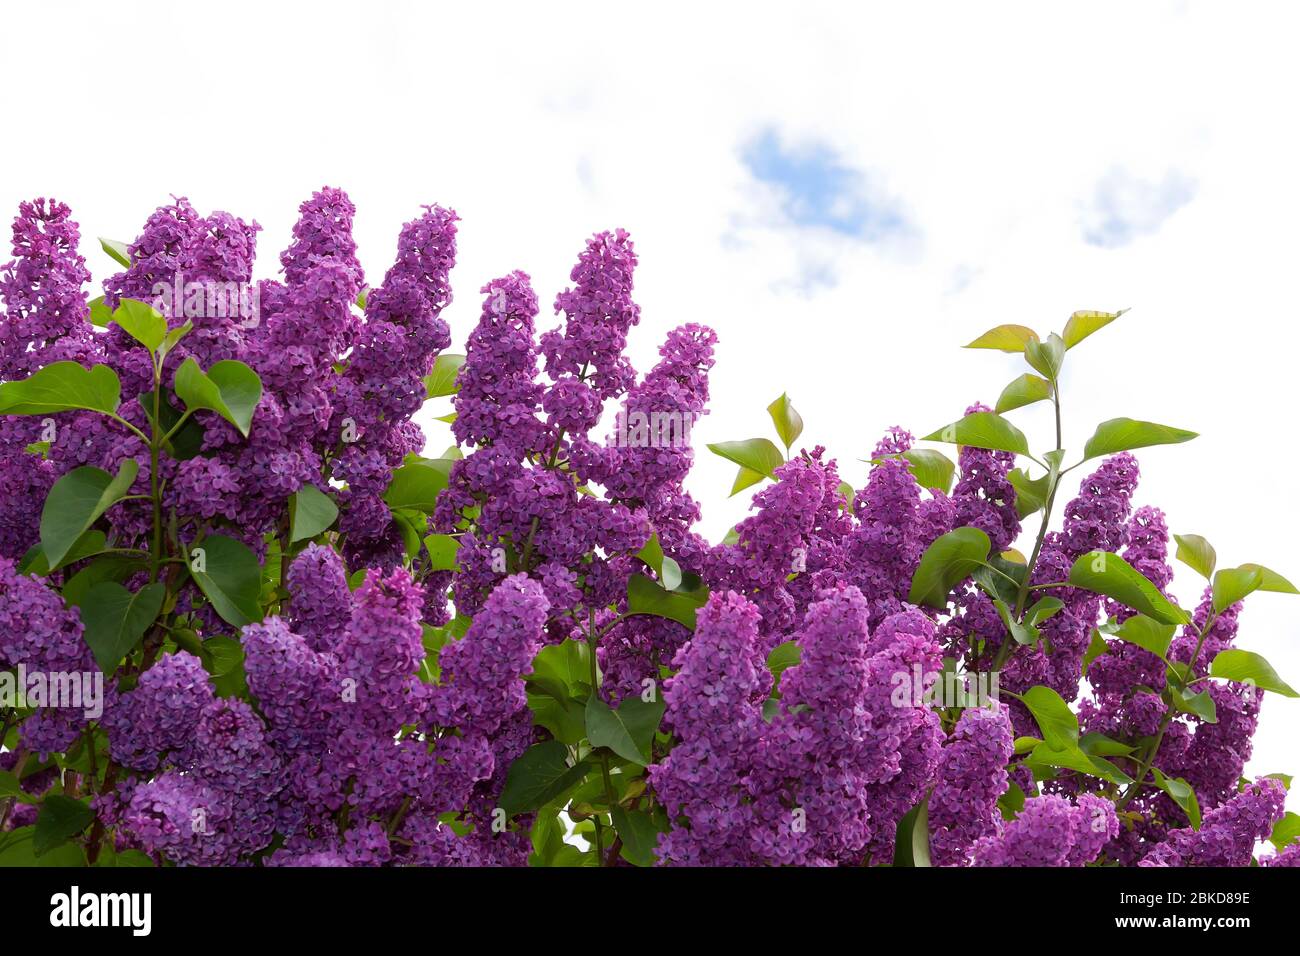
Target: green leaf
[(629, 731), (62, 387), (1201, 705), (1083, 324), (756, 454), (1109, 574), (100, 314), (789, 424), (539, 775), (77, 501), (647, 597), (950, 559), (16, 849), (1148, 634), (1005, 338), (1234, 584), (1181, 792), (1246, 667), (1058, 723), (225, 662), (782, 658), (1046, 356), (229, 388), (1026, 390), (1271, 580), (173, 338), (1286, 831), (1125, 434), (639, 833), (442, 380), (231, 578), (912, 837), (142, 322), (1072, 758), (442, 550), (116, 620), (1099, 745), (930, 468), (416, 486), (983, 430), (60, 818), (108, 568), (120, 251), (187, 443), (88, 545), (1197, 553), (10, 787), (745, 478), (311, 511), (1097, 646), (1031, 493)]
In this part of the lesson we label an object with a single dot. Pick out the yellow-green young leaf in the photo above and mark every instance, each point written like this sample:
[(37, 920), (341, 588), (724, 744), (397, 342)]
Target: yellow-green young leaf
[(1058, 723), (983, 430), (1181, 792), (1271, 580), (1146, 633), (1005, 338), (745, 478), (1286, 831), (1026, 390), (1083, 324), (930, 468), (756, 454), (142, 322), (1246, 667), (1197, 553), (789, 424), (1104, 573), (62, 387), (1031, 493), (442, 380), (100, 314), (1232, 585), (1046, 356), (118, 250), (1125, 434)]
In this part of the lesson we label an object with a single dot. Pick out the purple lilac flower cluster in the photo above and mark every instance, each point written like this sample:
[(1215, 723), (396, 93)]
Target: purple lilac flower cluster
[(359, 719)]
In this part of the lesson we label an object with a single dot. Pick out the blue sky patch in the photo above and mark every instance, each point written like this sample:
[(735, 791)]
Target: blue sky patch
[(1124, 207)]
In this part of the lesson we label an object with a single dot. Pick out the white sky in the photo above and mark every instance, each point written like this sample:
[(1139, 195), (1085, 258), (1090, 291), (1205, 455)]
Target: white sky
[(995, 142)]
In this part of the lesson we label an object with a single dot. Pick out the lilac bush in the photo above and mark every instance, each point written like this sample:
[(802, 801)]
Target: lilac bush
[(246, 620)]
